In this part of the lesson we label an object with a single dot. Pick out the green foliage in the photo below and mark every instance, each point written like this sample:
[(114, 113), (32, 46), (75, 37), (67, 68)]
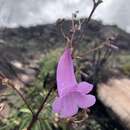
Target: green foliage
[(126, 69), (124, 63), (44, 122), (49, 62), (94, 125), (124, 58), (35, 94)]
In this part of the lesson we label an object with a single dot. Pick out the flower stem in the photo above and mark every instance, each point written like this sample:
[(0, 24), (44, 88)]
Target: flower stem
[(35, 116)]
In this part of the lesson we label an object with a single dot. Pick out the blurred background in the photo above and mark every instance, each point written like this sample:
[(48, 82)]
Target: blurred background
[(48, 11), (31, 43)]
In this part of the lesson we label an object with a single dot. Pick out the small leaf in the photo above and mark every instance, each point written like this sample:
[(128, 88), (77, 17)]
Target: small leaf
[(25, 110), (47, 125), (25, 122), (42, 125)]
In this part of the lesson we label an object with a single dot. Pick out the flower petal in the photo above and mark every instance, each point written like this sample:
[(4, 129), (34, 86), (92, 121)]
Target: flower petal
[(56, 106), (69, 106), (85, 101), (65, 72), (84, 87)]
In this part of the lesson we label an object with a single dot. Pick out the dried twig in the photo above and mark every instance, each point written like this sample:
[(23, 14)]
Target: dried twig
[(76, 27), (5, 81), (87, 20), (11, 67)]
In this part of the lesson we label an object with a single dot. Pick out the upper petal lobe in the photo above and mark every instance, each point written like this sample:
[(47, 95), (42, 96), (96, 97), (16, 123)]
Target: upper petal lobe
[(85, 101), (84, 87)]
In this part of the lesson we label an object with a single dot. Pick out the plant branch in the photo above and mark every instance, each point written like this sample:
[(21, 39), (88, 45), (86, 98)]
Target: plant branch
[(95, 5), (35, 116), (7, 82), (87, 20), (11, 67), (20, 94)]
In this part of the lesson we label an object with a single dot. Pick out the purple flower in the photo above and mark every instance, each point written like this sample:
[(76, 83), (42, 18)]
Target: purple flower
[(72, 95)]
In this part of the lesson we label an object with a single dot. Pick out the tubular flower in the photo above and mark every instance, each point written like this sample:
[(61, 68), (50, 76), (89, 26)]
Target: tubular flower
[(72, 95)]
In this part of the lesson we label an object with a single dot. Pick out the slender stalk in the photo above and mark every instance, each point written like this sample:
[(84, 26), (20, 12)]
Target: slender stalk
[(7, 82), (95, 5), (87, 20), (20, 94), (93, 50), (35, 116)]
